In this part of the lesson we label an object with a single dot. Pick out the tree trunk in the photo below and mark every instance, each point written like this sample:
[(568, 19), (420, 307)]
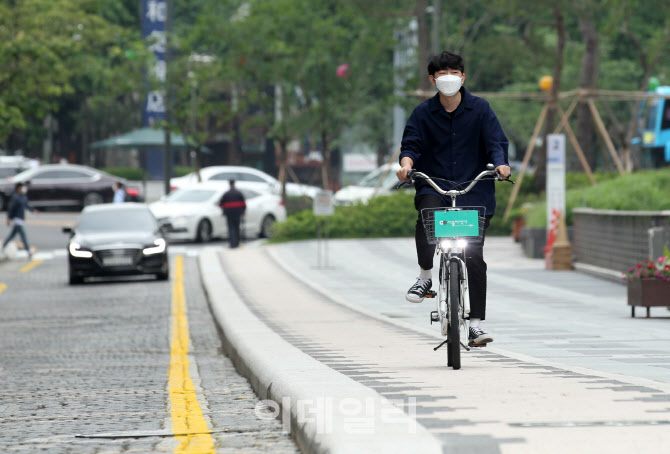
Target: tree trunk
[(588, 78), (381, 154), (283, 158), (541, 162), (420, 12), (325, 164), (236, 146)]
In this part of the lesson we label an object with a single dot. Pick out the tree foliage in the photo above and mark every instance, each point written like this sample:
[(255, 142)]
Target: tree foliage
[(274, 62)]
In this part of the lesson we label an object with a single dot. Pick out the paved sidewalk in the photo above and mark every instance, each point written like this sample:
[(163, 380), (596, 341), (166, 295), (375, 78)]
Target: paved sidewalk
[(571, 372)]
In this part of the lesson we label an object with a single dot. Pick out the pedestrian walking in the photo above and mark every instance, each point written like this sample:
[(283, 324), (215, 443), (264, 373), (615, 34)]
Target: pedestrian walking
[(233, 204), (16, 212), (119, 192), (453, 136)]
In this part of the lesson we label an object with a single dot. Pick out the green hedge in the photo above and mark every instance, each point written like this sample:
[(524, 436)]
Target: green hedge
[(180, 171), (644, 190), (297, 204), (383, 216), (395, 216), (135, 174), (129, 173)]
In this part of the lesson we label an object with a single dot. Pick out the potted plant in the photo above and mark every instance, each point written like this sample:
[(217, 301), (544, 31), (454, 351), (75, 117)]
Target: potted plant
[(649, 283)]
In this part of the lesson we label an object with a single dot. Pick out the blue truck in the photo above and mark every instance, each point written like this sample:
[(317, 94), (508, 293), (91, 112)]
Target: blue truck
[(654, 130)]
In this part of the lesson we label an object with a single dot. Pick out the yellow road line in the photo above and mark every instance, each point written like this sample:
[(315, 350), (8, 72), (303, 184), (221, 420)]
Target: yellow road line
[(31, 265), (188, 422), (2, 287)]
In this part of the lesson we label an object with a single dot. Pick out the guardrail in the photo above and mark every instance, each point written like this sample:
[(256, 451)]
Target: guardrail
[(613, 241)]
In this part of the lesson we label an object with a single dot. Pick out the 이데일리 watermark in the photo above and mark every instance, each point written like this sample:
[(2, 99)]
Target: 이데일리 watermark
[(356, 416)]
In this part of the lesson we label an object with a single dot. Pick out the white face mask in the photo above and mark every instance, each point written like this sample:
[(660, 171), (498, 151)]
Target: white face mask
[(449, 84)]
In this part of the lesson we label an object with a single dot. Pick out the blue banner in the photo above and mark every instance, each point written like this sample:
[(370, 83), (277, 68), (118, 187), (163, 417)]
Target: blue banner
[(154, 18)]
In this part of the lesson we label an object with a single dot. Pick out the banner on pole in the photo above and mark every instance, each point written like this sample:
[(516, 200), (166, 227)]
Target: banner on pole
[(154, 19)]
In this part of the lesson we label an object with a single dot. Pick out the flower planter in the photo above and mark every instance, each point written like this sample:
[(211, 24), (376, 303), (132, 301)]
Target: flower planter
[(648, 293)]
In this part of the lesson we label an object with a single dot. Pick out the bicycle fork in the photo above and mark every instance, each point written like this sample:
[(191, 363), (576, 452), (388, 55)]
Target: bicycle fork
[(443, 303)]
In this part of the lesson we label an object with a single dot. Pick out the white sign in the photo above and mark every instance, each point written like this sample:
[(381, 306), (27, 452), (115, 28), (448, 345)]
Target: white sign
[(555, 177), (323, 203)]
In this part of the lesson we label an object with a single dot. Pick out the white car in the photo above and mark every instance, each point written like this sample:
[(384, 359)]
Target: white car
[(380, 181), (247, 175), (193, 213)]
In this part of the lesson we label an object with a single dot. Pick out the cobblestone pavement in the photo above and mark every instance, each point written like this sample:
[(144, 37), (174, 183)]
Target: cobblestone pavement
[(84, 369)]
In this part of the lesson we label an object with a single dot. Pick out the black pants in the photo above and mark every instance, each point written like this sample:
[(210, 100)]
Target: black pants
[(233, 229), (474, 255)]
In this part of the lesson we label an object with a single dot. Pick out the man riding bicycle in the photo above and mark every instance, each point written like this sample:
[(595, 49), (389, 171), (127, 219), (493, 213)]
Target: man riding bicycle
[(453, 135)]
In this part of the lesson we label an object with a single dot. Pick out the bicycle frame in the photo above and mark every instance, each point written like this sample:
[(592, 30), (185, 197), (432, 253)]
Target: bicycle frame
[(454, 321)]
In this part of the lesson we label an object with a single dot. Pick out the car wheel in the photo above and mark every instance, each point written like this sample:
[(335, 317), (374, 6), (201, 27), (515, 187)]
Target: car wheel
[(266, 226), (93, 198), (163, 276), (74, 280), (204, 231)]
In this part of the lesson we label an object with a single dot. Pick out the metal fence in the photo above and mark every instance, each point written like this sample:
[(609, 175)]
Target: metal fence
[(617, 240)]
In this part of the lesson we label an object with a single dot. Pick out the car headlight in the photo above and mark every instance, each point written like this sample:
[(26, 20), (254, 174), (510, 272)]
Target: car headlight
[(160, 247), (76, 251), (179, 221)]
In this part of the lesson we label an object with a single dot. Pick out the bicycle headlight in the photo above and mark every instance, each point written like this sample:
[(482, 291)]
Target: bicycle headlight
[(461, 243), (160, 247), (445, 245)]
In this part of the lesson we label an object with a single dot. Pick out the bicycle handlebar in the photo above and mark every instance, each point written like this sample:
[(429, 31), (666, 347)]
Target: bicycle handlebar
[(413, 174)]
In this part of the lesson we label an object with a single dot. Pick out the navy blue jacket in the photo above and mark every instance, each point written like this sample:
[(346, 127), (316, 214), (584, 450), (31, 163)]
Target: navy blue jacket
[(17, 206), (456, 146)]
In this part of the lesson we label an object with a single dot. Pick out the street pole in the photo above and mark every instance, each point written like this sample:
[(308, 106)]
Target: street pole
[(167, 152)]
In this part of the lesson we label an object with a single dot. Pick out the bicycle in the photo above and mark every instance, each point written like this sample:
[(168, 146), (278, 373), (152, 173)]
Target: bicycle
[(452, 229)]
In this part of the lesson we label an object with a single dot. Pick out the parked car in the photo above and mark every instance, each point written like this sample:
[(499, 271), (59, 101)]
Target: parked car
[(243, 174), (64, 185), (380, 181), (116, 239), (193, 213), (12, 165)]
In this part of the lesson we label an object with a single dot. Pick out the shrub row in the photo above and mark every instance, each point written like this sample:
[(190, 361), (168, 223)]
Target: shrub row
[(384, 216), (137, 174), (640, 191)]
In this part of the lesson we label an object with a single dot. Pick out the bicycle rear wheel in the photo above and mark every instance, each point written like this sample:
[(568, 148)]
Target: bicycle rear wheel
[(454, 346)]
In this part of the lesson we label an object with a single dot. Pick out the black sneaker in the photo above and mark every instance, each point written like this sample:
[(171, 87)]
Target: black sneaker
[(479, 337), (418, 291)]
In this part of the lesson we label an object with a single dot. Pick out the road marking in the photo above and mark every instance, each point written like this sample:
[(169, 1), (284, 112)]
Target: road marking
[(31, 265), (2, 287), (188, 422)]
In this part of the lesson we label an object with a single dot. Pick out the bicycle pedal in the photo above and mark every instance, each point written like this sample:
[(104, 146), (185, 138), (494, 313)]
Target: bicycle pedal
[(434, 317), (472, 344), (430, 294)]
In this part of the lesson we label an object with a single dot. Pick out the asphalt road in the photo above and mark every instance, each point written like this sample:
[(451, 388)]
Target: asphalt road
[(108, 367)]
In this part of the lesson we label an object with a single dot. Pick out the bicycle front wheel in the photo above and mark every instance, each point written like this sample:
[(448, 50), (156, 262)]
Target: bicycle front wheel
[(454, 320)]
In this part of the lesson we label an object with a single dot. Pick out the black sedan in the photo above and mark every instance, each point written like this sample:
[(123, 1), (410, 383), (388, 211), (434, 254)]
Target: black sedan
[(64, 185), (116, 239)]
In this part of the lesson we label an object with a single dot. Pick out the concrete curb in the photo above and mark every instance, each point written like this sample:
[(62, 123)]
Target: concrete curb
[(315, 400)]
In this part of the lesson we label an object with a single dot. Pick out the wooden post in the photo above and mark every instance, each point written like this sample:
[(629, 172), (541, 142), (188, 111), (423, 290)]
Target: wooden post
[(576, 146), (605, 135), (526, 160), (566, 117)]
